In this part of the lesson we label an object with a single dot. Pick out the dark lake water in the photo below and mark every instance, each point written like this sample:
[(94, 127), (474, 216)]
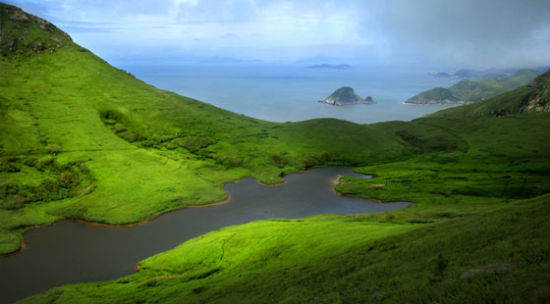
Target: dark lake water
[(70, 252)]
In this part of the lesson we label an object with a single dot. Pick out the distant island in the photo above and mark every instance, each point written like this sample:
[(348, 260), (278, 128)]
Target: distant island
[(440, 74), (480, 74), (330, 66), (346, 96), (472, 74), (469, 91)]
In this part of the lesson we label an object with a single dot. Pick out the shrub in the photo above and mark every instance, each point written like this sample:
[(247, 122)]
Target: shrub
[(49, 186), (110, 117), (14, 202), (53, 149), (30, 162), (67, 180), (278, 160), (8, 166), (8, 189), (47, 164)]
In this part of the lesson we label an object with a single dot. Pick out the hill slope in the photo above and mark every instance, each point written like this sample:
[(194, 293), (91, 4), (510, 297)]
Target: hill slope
[(530, 98), (468, 91), (83, 140)]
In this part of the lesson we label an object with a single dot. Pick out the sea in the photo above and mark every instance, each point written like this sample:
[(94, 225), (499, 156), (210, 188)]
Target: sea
[(291, 93)]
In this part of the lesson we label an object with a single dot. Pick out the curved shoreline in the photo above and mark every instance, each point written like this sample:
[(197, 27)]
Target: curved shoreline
[(112, 253), (22, 247), (334, 182), (337, 179), (146, 220)]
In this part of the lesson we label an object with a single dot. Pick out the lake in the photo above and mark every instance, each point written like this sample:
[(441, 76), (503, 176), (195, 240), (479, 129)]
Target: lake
[(70, 252)]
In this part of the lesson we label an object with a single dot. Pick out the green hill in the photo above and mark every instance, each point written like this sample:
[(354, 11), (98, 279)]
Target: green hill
[(468, 91), (83, 140)]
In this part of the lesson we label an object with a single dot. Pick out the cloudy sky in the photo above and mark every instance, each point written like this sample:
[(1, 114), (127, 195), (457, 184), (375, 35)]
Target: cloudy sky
[(466, 33)]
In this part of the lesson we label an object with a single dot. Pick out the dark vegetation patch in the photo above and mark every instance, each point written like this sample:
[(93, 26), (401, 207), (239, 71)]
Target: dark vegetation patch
[(59, 181), (118, 123)]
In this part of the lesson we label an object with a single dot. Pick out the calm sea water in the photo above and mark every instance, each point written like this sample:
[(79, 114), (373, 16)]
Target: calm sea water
[(290, 93)]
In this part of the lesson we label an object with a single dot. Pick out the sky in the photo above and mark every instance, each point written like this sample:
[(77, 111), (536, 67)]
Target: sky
[(468, 33)]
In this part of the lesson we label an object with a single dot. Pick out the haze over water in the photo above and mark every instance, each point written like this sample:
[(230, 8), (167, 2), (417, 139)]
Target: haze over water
[(290, 93)]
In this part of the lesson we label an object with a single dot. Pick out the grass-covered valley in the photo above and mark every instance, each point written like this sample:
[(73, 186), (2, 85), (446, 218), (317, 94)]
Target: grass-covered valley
[(83, 140)]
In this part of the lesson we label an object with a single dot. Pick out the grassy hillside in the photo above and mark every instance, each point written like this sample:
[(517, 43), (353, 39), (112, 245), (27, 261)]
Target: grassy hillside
[(83, 140), (470, 237), (467, 91)]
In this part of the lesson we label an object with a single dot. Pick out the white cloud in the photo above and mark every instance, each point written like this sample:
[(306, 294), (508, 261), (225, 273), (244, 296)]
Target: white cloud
[(492, 32), (177, 3)]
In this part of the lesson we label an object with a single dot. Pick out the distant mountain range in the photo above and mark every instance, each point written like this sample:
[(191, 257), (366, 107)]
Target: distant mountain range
[(468, 91), (330, 66), (479, 74), (471, 74)]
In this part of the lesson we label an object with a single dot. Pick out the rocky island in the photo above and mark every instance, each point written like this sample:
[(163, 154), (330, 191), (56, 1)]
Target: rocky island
[(346, 96)]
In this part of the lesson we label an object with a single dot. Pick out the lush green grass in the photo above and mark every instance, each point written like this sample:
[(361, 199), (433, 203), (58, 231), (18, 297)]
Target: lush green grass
[(487, 159)]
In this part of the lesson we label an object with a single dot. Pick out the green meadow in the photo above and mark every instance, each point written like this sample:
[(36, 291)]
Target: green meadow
[(84, 140)]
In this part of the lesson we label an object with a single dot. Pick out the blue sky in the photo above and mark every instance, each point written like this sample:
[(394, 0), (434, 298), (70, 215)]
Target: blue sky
[(467, 33)]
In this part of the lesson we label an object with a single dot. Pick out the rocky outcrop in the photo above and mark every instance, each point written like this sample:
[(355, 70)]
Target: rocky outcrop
[(23, 33), (346, 96), (539, 99)]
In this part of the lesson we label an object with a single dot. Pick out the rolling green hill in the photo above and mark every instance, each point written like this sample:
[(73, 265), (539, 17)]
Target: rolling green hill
[(83, 140), (468, 91)]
